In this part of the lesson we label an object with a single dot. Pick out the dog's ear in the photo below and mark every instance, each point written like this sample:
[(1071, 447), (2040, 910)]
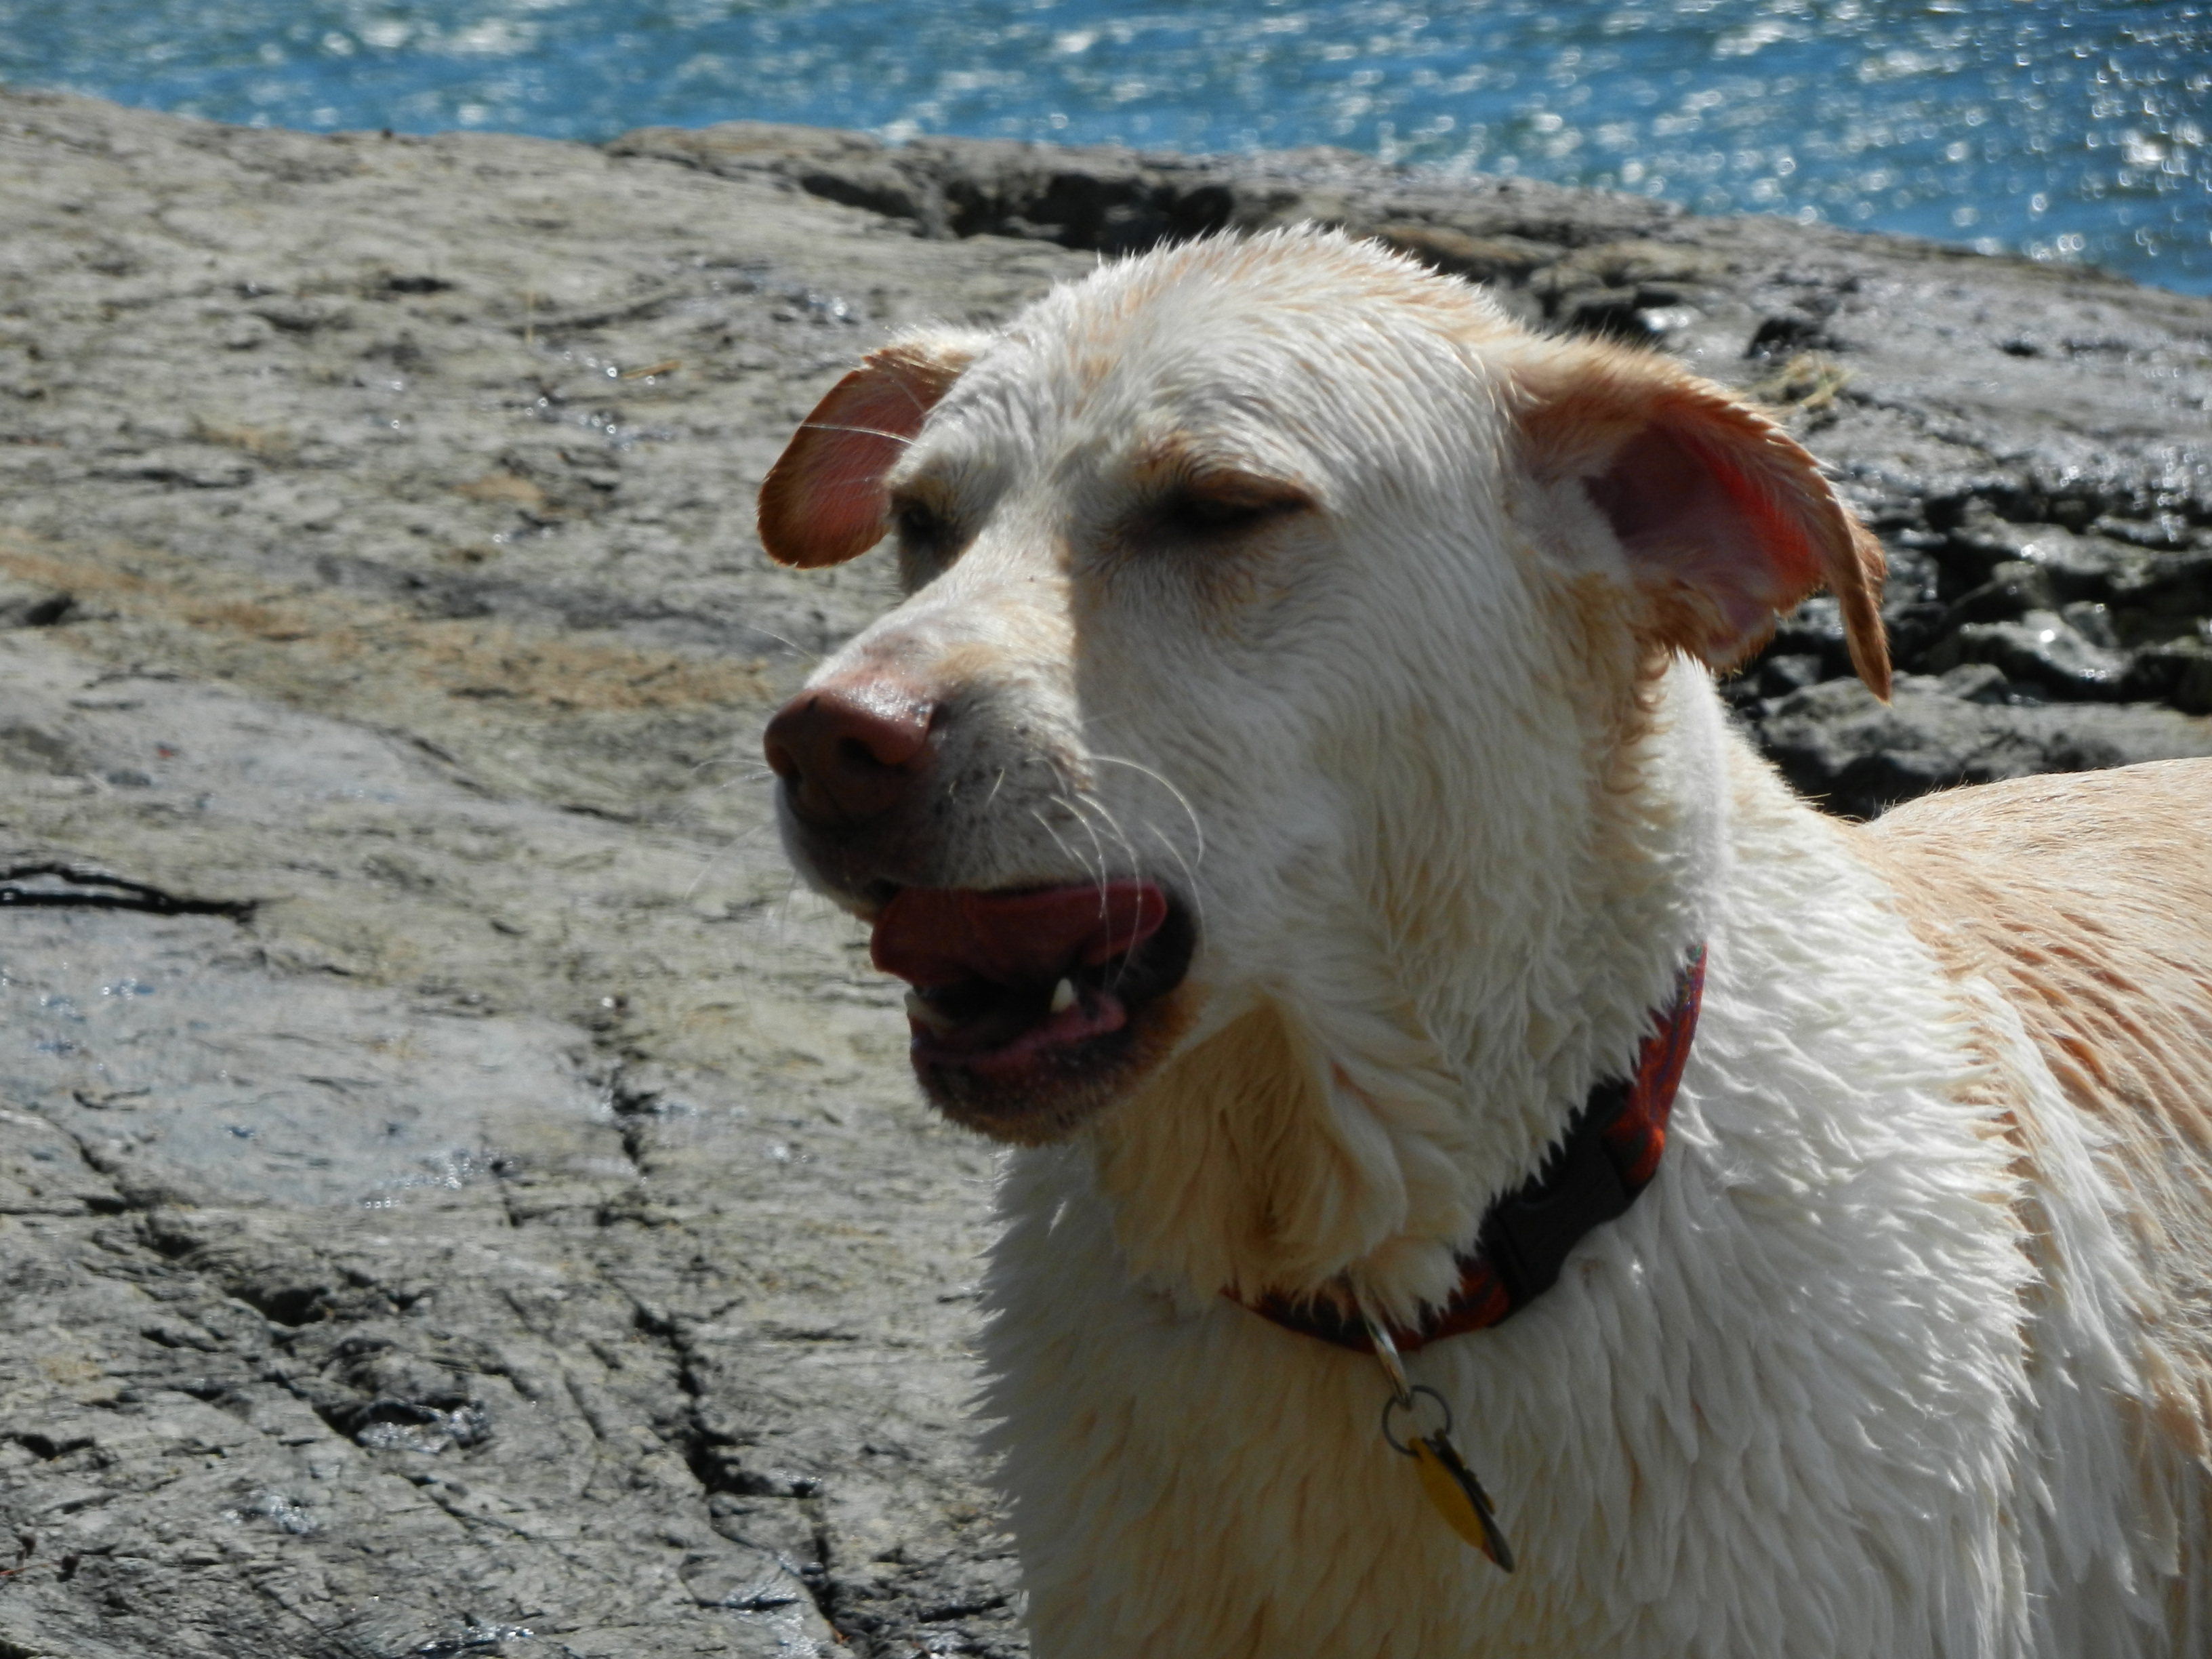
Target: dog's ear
[(1726, 521), (823, 501)]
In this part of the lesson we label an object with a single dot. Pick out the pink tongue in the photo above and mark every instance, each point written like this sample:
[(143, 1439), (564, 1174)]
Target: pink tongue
[(932, 936)]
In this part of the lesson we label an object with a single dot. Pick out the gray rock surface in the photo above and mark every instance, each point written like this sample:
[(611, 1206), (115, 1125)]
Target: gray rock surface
[(517, 1220), (455, 1198)]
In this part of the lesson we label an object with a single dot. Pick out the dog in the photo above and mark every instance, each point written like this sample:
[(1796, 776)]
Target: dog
[(1458, 1095)]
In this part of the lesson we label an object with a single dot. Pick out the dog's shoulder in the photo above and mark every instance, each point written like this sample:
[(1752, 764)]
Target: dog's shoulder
[(2086, 891), (2086, 902), (2155, 810)]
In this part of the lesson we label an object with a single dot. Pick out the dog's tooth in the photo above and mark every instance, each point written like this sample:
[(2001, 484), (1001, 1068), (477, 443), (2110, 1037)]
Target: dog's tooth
[(1063, 996), (918, 1008)]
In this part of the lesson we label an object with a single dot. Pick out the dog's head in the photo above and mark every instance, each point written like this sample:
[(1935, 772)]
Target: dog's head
[(1278, 617)]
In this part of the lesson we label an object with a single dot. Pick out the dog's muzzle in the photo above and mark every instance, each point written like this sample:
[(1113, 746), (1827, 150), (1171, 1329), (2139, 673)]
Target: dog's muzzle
[(1032, 1007)]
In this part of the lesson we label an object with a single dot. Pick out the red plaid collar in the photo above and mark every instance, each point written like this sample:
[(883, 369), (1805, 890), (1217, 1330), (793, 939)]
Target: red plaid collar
[(1608, 1155)]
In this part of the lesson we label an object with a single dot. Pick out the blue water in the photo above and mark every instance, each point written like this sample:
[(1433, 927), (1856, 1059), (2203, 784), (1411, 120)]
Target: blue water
[(2067, 129)]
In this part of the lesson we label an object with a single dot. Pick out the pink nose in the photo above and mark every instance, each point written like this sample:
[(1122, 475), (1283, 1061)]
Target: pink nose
[(849, 754)]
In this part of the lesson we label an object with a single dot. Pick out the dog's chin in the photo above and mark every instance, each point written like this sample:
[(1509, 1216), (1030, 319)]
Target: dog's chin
[(1045, 1092), (1034, 1011)]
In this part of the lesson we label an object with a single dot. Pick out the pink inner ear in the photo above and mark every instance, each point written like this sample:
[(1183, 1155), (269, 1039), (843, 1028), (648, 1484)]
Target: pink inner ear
[(823, 501), (1690, 520)]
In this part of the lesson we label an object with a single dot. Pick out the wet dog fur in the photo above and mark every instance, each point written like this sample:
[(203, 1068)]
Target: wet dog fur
[(1377, 635)]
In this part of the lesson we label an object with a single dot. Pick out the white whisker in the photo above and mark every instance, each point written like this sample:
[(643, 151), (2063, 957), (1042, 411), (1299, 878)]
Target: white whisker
[(858, 431), (1098, 845), (1197, 828), (721, 856), (1128, 846), (1114, 824), (783, 640), (1067, 851), (748, 770)]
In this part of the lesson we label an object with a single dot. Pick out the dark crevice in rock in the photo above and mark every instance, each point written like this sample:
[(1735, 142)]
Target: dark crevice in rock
[(388, 1394), (119, 1199), (1781, 335), (485, 1640), (942, 1611), (586, 810), (710, 1454), (713, 1457), (1105, 199), (80, 888), (448, 1418), (635, 1100), (797, 1532), (292, 1305), (31, 607), (46, 1448)]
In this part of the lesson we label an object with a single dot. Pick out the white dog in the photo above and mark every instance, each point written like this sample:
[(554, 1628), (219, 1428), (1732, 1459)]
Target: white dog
[(1295, 791)]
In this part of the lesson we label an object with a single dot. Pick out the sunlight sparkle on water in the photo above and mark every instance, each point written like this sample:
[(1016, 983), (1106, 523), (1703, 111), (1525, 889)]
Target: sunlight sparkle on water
[(2067, 129)]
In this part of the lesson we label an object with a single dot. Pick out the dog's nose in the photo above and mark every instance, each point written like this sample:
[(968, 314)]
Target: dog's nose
[(847, 754)]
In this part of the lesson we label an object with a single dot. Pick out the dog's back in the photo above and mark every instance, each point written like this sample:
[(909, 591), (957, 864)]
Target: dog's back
[(2086, 902)]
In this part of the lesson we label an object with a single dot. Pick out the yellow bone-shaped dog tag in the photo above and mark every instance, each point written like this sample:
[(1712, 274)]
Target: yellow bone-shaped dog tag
[(1456, 1495)]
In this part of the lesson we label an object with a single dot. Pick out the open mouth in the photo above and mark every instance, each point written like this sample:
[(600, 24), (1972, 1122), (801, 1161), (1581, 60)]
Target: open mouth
[(1029, 1008)]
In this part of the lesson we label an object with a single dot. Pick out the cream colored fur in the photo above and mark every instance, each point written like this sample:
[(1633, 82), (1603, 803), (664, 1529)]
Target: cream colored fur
[(1903, 1352)]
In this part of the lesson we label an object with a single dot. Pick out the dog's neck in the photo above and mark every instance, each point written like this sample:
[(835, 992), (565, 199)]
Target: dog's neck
[(1360, 1118), (1608, 1154)]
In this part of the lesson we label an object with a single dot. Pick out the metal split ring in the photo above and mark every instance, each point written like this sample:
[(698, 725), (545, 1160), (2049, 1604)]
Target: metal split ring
[(1405, 1403)]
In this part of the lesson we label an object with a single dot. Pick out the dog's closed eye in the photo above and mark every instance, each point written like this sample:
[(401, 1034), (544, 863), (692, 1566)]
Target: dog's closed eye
[(1216, 506), (918, 521), (927, 537)]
